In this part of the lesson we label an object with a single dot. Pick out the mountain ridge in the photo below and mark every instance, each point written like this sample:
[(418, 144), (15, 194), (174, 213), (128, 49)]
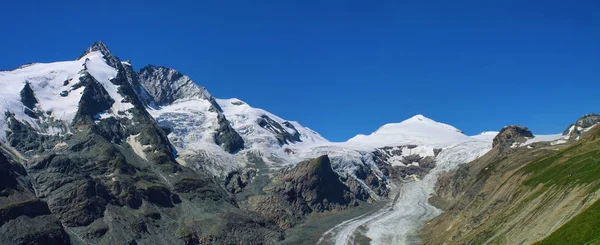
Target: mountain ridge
[(100, 140)]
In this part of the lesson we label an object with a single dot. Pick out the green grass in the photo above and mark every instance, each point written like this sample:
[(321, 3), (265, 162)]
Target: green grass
[(574, 165), (583, 229)]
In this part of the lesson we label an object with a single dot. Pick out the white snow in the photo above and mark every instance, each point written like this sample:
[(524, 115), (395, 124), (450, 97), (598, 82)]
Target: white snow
[(191, 121), (194, 123), (244, 120), (193, 130), (543, 138), (417, 130), (47, 81)]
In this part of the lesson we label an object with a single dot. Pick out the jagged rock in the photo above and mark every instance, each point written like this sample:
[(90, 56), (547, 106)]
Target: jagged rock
[(167, 85), (588, 120), (100, 46), (23, 137), (574, 131), (95, 100), (28, 99), (227, 137), (134, 80), (413, 165), (436, 152), (312, 185), (307, 187), (236, 181), (510, 135), (24, 219), (282, 135), (28, 96)]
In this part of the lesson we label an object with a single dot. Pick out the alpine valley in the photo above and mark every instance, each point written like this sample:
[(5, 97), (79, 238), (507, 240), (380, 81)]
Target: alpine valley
[(94, 152)]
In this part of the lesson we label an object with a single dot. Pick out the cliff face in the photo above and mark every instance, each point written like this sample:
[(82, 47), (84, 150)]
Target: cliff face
[(308, 187), (24, 219), (516, 197)]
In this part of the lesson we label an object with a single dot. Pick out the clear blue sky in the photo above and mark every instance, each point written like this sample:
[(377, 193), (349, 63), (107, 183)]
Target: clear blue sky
[(345, 67)]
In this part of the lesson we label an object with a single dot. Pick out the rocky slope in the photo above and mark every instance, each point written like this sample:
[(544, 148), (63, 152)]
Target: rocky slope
[(308, 187), (149, 157), (517, 195), (105, 168), (24, 218)]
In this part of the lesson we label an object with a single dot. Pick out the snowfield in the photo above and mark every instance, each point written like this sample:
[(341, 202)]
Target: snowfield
[(48, 81)]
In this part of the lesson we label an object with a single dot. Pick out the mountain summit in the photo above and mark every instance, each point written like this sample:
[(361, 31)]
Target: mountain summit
[(417, 129)]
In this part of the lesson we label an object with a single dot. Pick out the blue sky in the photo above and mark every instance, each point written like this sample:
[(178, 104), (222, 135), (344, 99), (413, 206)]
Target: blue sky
[(345, 67)]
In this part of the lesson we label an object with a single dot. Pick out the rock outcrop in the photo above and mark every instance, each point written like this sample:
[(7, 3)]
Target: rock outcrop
[(575, 131), (283, 135), (307, 187), (227, 137), (167, 85), (511, 135), (24, 218)]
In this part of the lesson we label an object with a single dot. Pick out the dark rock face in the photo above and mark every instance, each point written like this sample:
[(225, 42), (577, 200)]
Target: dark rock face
[(166, 85), (510, 135), (282, 135), (313, 185), (23, 137), (100, 46), (24, 219), (28, 99), (588, 120), (139, 90), (95, 100), (574, 131), (236, 181), (309, 186), (227, 137), (411, 165), (370, 179)]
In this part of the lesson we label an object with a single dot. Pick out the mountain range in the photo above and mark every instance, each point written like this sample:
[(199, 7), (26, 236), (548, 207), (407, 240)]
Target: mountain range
[(95, 152)]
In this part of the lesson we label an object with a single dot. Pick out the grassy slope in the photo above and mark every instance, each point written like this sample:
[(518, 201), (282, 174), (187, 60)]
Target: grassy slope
[(575, 165), (583, 229)]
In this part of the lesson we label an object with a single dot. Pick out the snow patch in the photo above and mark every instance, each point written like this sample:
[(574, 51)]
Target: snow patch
[(137, 147)]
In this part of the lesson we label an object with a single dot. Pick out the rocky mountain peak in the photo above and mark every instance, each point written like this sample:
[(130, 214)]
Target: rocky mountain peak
[(588, 120), (99, 46), (166, 85), (574, 131), (510, 135), (102, 48)]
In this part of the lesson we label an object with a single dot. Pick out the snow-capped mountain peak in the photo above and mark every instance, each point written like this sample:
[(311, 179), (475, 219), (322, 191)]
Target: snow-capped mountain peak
[(101, 48), (416, 123), (57, 89), (415, 130), (97, 46)]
